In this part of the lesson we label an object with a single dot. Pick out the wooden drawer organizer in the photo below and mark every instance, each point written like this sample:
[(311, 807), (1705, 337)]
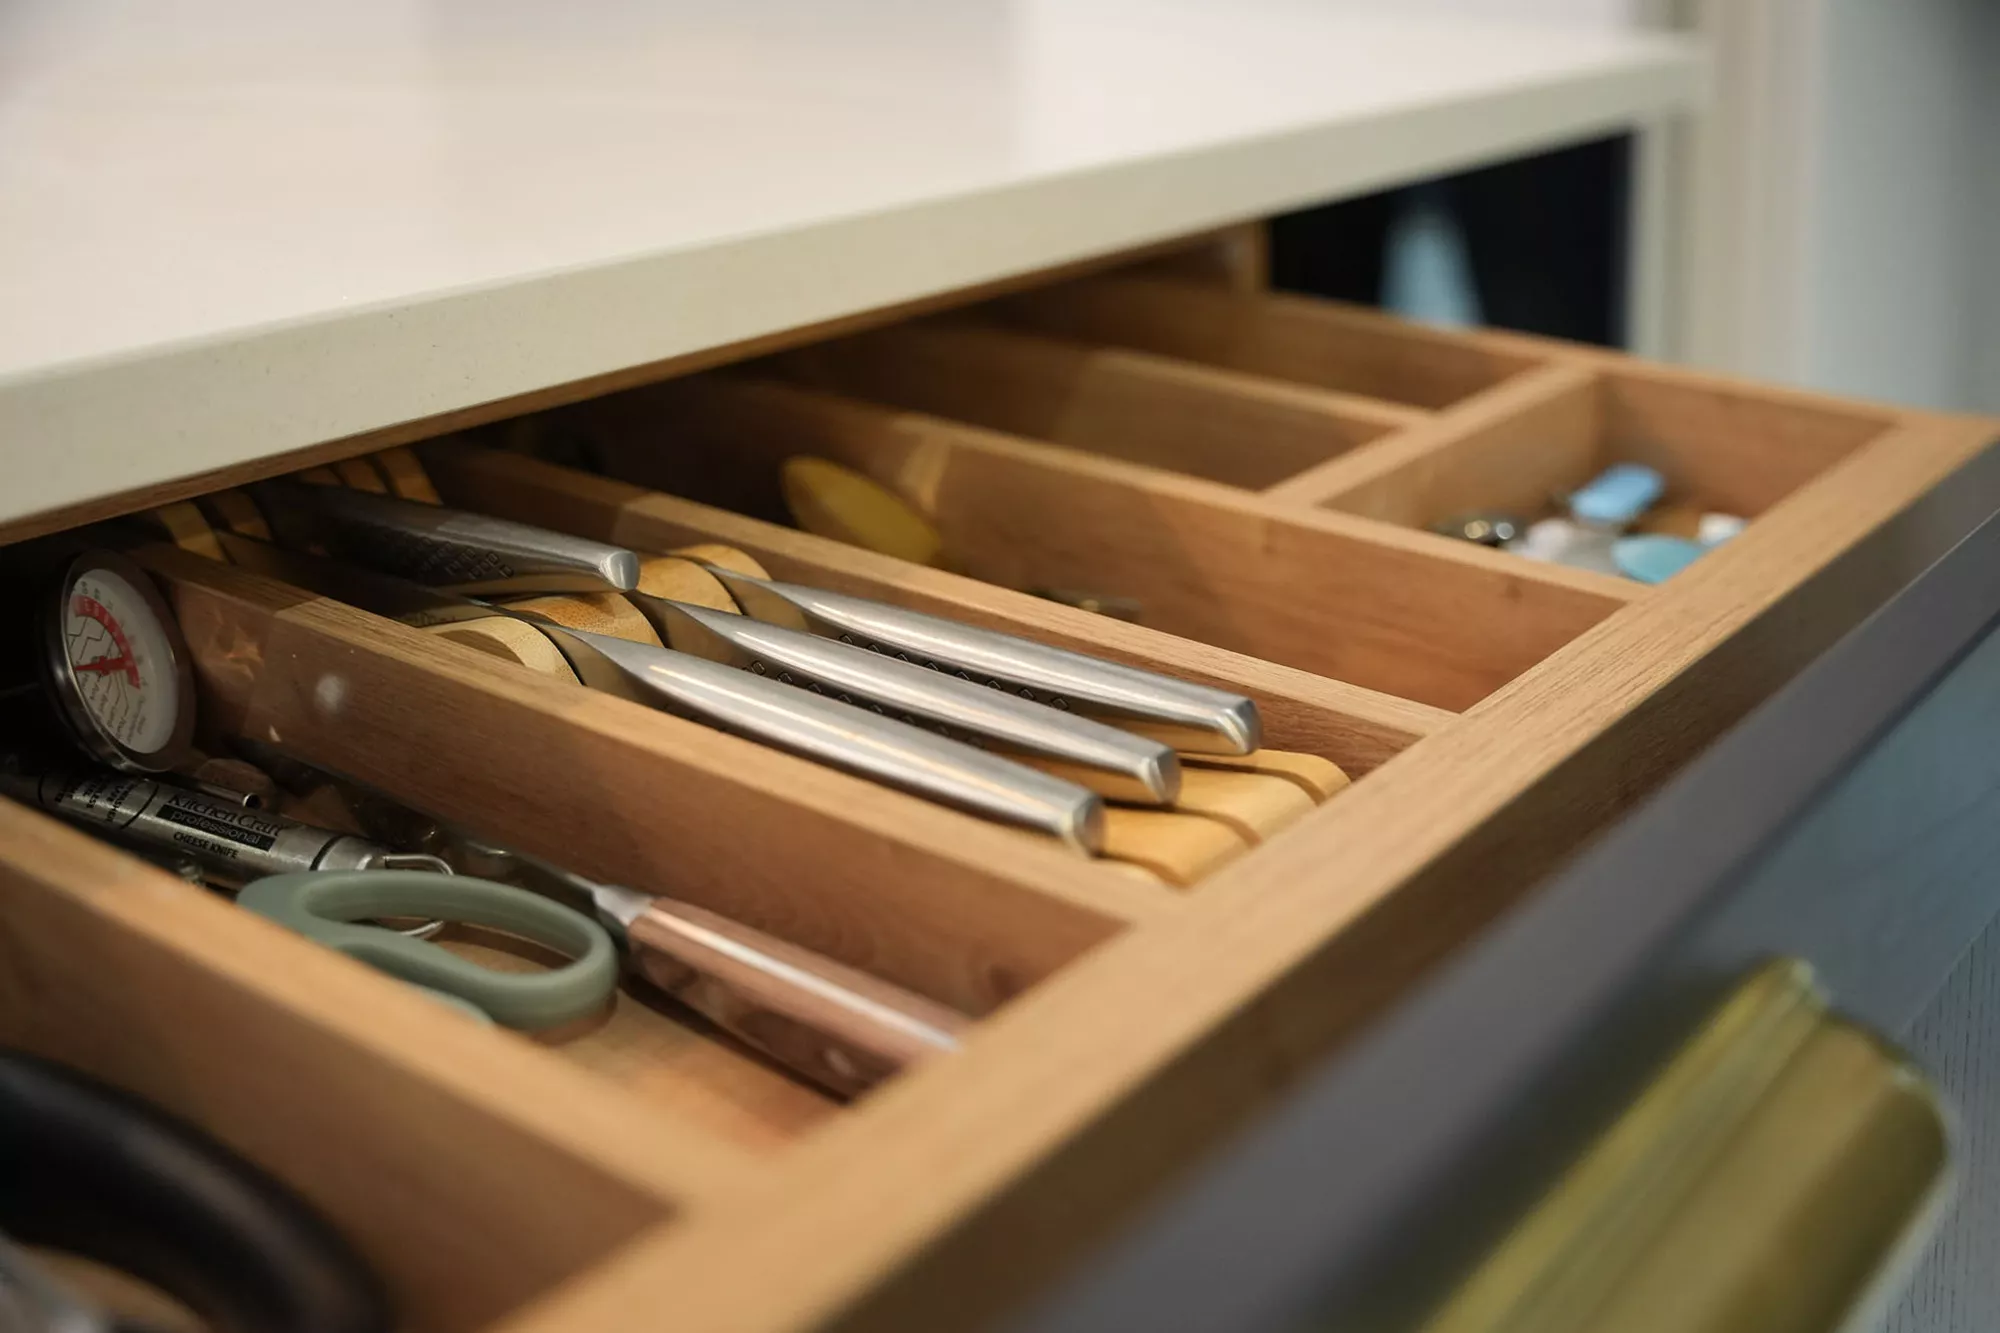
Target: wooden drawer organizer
[(1256, 472)]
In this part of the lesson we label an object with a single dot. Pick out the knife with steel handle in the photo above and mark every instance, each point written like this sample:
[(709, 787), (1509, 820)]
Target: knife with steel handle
[(447, 549), (840, 1027), (1114, 763), (839, 735), (1177, 713), (437, 547)]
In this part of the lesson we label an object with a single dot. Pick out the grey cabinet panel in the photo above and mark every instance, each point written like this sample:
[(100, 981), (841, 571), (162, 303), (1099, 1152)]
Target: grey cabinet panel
[(1956, 1285)]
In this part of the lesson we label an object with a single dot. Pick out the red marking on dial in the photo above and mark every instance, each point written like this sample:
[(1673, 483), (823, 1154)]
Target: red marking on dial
[(124, 663)]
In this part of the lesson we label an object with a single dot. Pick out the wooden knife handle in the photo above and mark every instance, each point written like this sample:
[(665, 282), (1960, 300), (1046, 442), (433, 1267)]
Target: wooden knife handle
[(832, 1024)]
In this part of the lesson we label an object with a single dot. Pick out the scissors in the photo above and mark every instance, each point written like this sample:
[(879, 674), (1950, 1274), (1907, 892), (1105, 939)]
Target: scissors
[(331, 907), (93, 1171)]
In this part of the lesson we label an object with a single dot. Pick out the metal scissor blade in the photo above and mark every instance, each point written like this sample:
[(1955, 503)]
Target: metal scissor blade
[(439, 547), (1114, 763), (1177, 713), (838, 735)]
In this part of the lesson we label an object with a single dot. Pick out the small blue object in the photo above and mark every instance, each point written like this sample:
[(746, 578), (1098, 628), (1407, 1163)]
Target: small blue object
[(1615, 497), (1654, 558)]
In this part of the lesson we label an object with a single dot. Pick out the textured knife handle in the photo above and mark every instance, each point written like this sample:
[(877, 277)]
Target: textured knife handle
[(1106, 759), (440, 547), (839, 1027), (853, 739), (1189, 717)]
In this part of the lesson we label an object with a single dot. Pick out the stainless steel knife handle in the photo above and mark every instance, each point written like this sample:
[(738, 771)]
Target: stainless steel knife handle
[(835, 734), (441, 548), (1177, 713), (1113, 763)]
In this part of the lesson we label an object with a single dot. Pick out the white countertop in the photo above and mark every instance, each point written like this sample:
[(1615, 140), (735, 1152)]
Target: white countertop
[(229, 228)]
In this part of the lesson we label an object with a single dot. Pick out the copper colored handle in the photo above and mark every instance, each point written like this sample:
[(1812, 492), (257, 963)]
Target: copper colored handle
[(835, 1025)]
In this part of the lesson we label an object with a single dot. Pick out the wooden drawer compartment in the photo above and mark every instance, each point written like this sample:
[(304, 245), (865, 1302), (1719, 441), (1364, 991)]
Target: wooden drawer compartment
[(1246, 430), (1286, 338), (1321, 592), (370, 1101), (1355, 728), (1254, 472)]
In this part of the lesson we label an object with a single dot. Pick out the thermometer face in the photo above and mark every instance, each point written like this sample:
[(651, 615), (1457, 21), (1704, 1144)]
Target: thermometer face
[(121, 676)]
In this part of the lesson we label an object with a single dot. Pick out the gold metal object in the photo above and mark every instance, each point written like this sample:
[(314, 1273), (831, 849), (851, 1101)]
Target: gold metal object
[(1764, 1181)]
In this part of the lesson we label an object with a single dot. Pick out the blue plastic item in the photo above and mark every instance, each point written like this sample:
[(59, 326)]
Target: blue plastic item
[(1426, 272), (1654, 558), (1615, 497)]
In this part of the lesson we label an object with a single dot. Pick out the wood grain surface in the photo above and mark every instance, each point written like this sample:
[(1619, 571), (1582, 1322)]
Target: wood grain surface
[(1182, 849), (510, 640), (1137, 406), (1366, 603), (373, 1101), (1286, 337), (965, 912), (1256, 805), (1508, 448), (1424, 854), (1316, 777), (684, 580), (1357, 729), (667, 1056)]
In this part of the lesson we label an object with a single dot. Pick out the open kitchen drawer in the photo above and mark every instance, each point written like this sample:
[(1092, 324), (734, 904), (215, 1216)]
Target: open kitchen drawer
[(1253, 475)]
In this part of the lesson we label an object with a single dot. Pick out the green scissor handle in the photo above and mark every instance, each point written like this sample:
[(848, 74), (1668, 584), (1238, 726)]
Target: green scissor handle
[(326, 905)]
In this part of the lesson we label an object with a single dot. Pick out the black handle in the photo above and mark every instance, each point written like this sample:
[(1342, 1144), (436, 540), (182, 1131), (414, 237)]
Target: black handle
[(93, 1171)]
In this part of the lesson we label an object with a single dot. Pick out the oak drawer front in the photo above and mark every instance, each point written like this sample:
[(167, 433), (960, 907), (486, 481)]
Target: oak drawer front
[(1254, 476)]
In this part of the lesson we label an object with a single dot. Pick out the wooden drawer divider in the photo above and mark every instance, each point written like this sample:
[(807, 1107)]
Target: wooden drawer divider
[(1285, 337), (1356, 728), (963, 911), (1242, 430), (1327, 593), (473, 1169), (1043, 1130)]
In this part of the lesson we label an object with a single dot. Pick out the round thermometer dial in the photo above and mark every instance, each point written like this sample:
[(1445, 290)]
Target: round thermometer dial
[(119, 667)]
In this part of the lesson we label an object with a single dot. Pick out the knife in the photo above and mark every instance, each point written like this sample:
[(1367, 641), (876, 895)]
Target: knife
[(839, 735), (1116, 764), (1177, 713), (397, 537), (448, 549), (838, 1026)]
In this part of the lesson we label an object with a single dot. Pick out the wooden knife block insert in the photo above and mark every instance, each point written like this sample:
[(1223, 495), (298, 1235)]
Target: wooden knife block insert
[(1253, 471)]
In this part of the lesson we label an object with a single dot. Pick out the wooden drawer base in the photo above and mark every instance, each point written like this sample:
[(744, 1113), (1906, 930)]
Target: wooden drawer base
[(1257, 474)]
